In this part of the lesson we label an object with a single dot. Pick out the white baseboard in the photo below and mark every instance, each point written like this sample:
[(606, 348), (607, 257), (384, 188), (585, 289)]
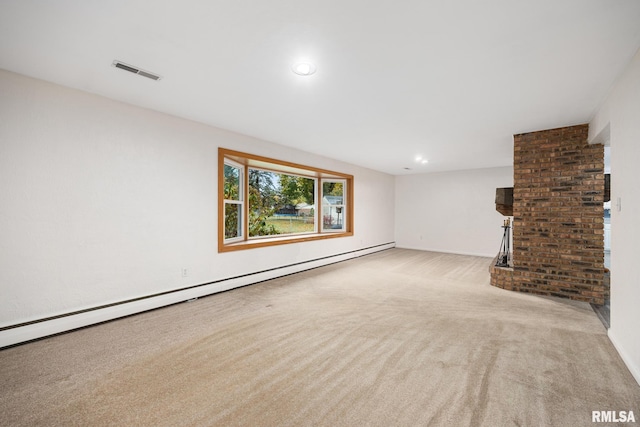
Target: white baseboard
[(634, 369), (55, 325)]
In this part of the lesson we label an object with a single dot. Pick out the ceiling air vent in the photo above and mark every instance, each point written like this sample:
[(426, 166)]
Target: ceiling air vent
[(135, 70)]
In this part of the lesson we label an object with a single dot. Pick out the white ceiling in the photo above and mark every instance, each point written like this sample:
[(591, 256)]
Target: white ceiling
[(449, 80)]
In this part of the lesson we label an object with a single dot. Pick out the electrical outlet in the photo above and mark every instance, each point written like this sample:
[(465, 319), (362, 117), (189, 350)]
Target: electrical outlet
[(185, 272)]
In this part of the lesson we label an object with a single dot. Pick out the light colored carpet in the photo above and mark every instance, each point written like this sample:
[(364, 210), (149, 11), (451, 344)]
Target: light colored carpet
[(401, 337)]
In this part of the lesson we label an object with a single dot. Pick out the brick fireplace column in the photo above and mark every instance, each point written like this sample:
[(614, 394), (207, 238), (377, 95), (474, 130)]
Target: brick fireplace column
[(558, 232)]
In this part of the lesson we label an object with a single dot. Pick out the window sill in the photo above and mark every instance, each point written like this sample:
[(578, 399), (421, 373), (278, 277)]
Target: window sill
[(281, 240)]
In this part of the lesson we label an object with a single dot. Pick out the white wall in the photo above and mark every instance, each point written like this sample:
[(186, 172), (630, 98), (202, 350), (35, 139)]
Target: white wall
[(103, 202), (620, 115), (452, 211)]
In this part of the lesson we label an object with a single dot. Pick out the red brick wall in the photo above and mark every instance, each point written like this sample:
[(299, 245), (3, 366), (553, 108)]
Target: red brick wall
[(558, 246)]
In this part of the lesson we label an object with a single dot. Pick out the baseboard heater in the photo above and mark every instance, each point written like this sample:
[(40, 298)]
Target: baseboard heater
[(44, 327)]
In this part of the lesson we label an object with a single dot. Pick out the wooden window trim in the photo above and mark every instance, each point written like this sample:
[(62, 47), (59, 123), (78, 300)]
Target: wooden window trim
[(278, 166)]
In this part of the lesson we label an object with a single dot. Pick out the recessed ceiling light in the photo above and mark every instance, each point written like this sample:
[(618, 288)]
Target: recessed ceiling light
[(303, 68), (425, 161)]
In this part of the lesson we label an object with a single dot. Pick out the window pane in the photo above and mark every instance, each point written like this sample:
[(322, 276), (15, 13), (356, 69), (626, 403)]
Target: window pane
[(333, 208), (232, 220), (232, 182), (280, 204), (262, 201), (295, 208), (333, 189), (332, 217)]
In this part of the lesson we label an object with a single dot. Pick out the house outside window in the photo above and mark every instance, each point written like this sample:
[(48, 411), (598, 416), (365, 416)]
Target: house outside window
[(333, 205)]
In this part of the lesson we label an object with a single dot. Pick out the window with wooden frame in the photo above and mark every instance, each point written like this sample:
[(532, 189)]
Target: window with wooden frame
[(264, 202)]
